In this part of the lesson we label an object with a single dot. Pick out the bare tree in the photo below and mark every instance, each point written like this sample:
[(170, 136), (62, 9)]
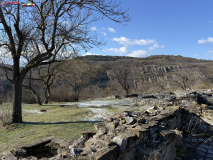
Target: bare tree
[(78, 75), (182, 81), (30, 84), (48, 34), (122, 74), (47, 74)]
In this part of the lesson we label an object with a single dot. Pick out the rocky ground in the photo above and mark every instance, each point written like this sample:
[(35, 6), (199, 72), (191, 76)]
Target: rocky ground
[(176, 126)]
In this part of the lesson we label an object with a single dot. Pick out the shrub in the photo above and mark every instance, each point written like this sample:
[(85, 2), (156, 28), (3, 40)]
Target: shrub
[(6, 117)]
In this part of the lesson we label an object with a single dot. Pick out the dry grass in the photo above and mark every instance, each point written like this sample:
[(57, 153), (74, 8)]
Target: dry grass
[(63, 123)]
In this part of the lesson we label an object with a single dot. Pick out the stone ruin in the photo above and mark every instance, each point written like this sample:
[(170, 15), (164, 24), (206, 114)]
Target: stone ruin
[(178, 126)]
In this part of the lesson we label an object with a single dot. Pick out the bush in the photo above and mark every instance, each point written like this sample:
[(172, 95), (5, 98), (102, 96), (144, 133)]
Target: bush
[(6, 117)]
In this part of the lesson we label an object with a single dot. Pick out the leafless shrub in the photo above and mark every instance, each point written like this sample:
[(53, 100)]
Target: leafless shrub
[(6, 117)]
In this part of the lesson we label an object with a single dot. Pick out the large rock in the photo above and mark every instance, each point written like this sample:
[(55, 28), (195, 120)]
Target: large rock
[(87, 135), (99, 125), (79, 143), (107, 153), (122, 143), (129, 155), (7, 155), (75, 152)]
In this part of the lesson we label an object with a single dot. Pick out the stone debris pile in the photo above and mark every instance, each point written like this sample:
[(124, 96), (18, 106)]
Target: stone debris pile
[(151, 134)]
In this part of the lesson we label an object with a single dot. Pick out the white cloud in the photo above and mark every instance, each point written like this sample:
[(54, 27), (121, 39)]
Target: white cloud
[(125, 41), (156, 46), (209, 40), (211, 51), (111, 30), (138, 53), (123, 50), (120, 51), (93, 28), (104, 33), (196, 55), (210, 21), (88, 53)]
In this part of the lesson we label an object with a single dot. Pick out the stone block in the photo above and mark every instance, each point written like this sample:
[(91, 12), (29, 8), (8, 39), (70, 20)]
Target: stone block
[(7, 155), (166, 135), (139, 131), (171, 123), (122, 143), (110, 125), (210, 151), (109, 119), (200, 153), (75, 152), (99, 125), (204, 105), (130, 120), (193, 145), (89, 143), (107, 153), (205, 146), (201, 149), (20, 152), (78, 143), (117, 116), (209, 156), (129, 136), (122, 122), (85, 151), (169, 152), (88, 135), (99, 144), (130, 155)]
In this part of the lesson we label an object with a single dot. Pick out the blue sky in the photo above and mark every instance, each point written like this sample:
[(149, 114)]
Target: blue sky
[(169, 27)]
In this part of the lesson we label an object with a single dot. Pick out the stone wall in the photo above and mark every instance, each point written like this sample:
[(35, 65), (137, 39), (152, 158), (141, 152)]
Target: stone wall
[(153, 134)]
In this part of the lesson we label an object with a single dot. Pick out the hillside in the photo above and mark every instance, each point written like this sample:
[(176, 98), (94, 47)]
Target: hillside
[(150, 74)]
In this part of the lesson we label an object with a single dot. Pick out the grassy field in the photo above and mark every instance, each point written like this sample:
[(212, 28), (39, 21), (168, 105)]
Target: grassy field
[(64, 122)]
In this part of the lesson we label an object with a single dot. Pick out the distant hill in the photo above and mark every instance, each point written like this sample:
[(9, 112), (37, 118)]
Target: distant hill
[(157, 72), (165, 58), (105, 58)]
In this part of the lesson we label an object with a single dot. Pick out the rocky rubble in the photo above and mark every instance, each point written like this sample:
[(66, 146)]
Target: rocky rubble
[(152, 134)]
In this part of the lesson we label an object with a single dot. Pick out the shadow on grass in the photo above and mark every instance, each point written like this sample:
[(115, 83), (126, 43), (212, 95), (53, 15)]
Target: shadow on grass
[(59, 105), (45, 123)]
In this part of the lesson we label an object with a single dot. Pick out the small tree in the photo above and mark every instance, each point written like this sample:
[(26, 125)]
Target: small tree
[(182, 81), (47, 75), (123, 76), (78, 75), (30, 83)]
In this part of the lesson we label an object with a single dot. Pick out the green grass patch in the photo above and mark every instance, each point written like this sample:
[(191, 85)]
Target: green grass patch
[(61, 122)]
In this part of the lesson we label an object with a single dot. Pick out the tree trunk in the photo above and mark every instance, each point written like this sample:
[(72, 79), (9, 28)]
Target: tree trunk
[(38, 99), (127, 93), (76, 96), (33, 91), (47, 96), (17, 98)]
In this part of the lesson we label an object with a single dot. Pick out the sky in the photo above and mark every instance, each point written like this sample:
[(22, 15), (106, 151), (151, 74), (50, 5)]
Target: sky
[(159, 27)]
